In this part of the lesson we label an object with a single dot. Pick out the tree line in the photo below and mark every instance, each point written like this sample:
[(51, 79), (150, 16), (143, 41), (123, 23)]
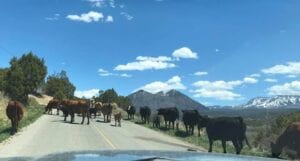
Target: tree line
[(27, 75)]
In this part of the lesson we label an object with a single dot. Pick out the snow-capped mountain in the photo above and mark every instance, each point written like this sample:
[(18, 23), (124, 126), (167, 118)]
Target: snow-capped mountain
[(282, 101)]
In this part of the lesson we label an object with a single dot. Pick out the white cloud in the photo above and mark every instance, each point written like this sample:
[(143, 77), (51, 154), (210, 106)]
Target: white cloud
[(292, 88), (220, 90), (271, 80), (157, 86), (217, 50), (125, 75), (200, 73), (91, 16), (112, 3), (104, 73), (87, 93), (291, 68), (55, 17), (97, 3), (146, 63), (250, 80), (127, 16), (218, 94), (109, 18), (102, 3), (184, 52), (217, 84), (255, 75), (291, 76)]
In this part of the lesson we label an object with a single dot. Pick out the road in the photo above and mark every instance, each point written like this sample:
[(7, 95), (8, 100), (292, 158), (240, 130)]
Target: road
[(50, 134)]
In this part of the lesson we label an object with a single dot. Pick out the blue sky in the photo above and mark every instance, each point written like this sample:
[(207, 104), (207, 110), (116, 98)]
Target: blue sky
[(217, 52)]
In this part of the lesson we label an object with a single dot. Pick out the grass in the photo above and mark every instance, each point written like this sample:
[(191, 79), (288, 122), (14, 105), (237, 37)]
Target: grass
[(203, 140), (32, 112)]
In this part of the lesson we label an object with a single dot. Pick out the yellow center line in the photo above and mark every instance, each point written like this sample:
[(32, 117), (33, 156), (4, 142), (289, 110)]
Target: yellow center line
[(105, 138)]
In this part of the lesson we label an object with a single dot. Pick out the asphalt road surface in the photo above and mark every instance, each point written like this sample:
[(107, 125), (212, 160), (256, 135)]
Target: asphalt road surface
[(50, 134)]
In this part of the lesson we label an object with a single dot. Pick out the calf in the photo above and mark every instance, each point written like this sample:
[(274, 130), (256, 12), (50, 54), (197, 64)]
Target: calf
[(225, 129), (190, 119), (289, 138), (15, 112), (156, 121), (106, 110), (130, 112), (170, 115), (118, 118), (145, 113)]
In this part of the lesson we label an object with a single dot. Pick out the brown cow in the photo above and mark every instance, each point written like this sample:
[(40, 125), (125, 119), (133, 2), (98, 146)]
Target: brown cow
[(52, 104), (15, 112), (106, 110), (290, 138), (118, 118), (72, 107)]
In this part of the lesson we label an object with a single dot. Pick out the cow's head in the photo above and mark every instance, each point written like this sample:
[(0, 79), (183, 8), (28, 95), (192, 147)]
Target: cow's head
[(276, 150)]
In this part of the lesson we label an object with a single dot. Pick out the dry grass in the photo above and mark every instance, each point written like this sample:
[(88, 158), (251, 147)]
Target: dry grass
[(32, 112), (3, 103), (43, 100)]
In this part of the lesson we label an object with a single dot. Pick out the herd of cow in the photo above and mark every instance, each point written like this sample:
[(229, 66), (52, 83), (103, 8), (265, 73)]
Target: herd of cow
[(221, 128)]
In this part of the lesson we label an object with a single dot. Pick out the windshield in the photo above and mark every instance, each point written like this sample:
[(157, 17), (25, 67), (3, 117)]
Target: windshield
[(201, 76)]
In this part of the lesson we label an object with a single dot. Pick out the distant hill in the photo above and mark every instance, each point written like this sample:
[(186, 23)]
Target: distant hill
[(281, 101), (172, 98)]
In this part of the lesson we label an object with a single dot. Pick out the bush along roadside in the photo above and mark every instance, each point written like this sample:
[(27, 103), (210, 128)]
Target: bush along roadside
[(32, 112)]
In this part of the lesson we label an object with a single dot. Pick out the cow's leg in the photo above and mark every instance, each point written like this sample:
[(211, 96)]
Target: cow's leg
[(236, 146), (199, 134), (166, 124), (83, 117), (12, 127), (186, 129), (120, 122), (57, 111), (192, 130), (88, 117), (210, 145), (72, 117), (17, 124), (224, 146), (65, 115)]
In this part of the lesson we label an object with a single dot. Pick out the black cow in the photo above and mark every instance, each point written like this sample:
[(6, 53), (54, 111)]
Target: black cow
[(190, 119), (225, 129), (170, 115), (130, 112), (93, 111), (156, 121), (145, 113)]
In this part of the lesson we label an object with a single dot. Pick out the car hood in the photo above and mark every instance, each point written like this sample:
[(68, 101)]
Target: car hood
[(142, 156)]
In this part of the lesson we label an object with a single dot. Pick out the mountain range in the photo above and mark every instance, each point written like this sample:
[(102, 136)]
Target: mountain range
[(280, 101), (172, 98)]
